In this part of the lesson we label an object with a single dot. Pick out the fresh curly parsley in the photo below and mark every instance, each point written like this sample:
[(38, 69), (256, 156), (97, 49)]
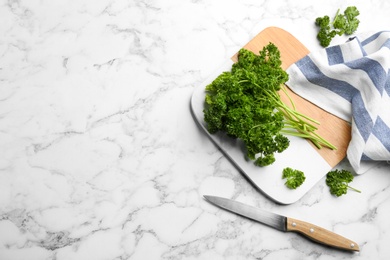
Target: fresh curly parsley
[(295, 178), (338, 181), (346, 23), (245, 103)]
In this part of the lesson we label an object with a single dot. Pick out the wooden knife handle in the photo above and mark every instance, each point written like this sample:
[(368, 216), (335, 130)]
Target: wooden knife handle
[(321, 235)]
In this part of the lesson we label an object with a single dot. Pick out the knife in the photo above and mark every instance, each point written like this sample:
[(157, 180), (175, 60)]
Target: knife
[(283, 223)]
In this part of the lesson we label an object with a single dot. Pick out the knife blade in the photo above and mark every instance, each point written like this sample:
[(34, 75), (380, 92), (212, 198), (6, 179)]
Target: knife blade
[(283, 223)]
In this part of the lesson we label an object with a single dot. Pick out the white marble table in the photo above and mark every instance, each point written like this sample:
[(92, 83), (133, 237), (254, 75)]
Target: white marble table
[(101, 159)]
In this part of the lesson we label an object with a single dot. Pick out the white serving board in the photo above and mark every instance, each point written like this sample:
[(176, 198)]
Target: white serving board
[(299, 155)]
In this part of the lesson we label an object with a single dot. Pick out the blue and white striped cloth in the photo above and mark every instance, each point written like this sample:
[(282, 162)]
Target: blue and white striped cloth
[(352, 81)]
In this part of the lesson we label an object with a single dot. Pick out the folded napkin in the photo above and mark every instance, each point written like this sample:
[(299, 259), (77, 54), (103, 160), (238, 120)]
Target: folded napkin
[(352, 81)]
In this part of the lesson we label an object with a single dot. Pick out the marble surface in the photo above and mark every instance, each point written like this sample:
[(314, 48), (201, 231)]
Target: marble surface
[(101, 159)]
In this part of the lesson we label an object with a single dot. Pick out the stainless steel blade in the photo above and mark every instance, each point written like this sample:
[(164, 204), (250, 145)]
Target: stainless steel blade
[(262, 216)]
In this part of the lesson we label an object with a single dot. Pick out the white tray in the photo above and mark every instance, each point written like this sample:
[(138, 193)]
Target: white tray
[(299, 155)]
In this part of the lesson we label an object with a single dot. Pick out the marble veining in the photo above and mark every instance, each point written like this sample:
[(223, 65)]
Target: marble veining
[(101, 159)]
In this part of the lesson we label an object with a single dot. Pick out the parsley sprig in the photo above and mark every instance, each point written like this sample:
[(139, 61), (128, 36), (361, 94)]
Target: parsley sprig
[(294, 178), (345, 23), (245, 103), (338, 181)]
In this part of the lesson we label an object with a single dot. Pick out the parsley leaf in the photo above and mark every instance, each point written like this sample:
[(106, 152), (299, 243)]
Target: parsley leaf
[(352, 22), (346, 23), (295, 178), (338, 181)]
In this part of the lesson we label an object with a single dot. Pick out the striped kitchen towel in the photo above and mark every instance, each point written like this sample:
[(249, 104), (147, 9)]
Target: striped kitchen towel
[(352, 81)]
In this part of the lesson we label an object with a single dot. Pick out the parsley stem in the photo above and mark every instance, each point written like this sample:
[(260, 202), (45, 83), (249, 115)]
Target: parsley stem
[(299, 115), (299, 124), (354, 189), (331, 146), (337, 14), (315, 140), (283, 88)]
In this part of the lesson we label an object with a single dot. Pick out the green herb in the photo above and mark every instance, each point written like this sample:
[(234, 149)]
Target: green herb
[(325, 34), (346, 23), (295, 178), (338, 180), (245, 103)]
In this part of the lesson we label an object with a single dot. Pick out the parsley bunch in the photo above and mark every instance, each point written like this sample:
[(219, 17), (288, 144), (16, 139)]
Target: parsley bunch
[(295, 178), (338, 180), (245, 103), (346, 23)]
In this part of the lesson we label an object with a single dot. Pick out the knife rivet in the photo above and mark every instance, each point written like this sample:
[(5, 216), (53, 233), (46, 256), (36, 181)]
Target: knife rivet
[(312, 230), (294, 224), (352, 245)]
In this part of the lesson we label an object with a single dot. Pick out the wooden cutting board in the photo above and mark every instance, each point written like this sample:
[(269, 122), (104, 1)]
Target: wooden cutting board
[(301, 154), (335, 130)]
